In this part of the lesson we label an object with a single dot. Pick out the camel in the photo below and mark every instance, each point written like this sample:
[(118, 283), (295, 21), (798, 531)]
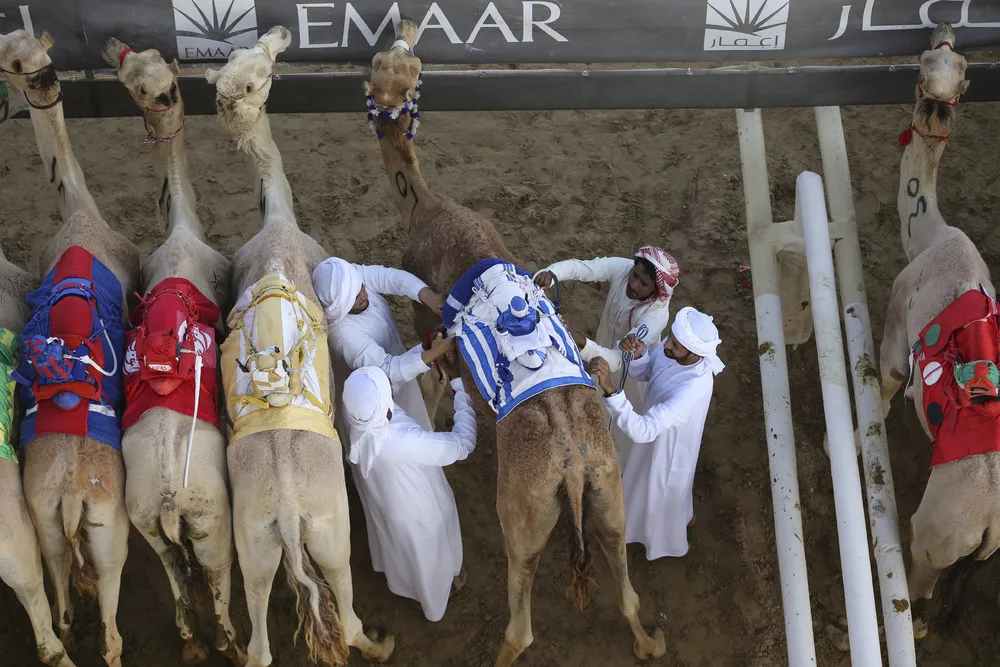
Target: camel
[(20, 557), (959, 514), (289, 490), (167, 510), (74, 485), (559, 445)]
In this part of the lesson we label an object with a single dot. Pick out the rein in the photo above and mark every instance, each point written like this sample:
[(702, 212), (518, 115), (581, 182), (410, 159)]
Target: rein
[(150, 138), (907, 135), (407, 107), (437, 362), (41, 107)]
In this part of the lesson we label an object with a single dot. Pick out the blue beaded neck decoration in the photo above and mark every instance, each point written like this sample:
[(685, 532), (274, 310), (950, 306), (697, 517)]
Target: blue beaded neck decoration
[(408, 107)]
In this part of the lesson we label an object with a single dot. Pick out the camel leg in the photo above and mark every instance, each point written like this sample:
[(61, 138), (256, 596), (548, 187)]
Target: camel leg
[(894, 351), (47, 520), (21, 567), (260, 554), (329, 547), (215, 553), (107, 537), (526, 526), (607, 508), (173, 562)]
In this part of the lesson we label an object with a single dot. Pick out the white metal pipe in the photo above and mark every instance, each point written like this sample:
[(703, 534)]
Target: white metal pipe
[(882, 514), (777, 401), (852, 534)]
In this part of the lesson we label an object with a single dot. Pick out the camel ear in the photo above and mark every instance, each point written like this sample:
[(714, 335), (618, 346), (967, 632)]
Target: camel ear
[(111, 52), (368, 87), (174, 67), (211, 76), (964, 86), (47, 41)]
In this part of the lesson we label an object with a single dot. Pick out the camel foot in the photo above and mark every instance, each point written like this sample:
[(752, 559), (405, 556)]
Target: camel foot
[(508, 654), (194, 652), (838, 638), (458, 583), (919, 628), (657, 649), (378, 651)]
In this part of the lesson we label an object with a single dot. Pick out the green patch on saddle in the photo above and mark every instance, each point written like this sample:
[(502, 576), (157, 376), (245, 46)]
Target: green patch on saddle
[(8, 362), (978, 378)]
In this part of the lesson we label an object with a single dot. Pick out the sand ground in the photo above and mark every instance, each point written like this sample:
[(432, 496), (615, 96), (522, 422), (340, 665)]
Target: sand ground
[(559, 185)]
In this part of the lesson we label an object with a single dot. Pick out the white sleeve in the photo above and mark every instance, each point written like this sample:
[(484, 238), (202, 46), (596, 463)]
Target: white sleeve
[(435, 448), (385, 280), (646, 428), (361, 350), (599, 270), (612, 356)]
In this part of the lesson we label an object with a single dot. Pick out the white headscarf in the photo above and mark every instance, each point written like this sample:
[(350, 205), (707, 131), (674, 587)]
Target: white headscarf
[(695, 331), (367, 399), (337, 284)]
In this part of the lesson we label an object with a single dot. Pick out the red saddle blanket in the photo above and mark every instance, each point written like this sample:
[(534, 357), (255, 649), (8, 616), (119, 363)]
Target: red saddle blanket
[(957, 355), (172, 325)]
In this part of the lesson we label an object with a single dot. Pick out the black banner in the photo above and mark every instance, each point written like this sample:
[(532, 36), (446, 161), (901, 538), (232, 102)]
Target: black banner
[(510, 31)]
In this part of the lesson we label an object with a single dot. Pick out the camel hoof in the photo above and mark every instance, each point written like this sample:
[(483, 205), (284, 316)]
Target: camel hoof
[(658, 650), (194, 652), (919, 628), (382, 650), (838, 638), (236, 655)]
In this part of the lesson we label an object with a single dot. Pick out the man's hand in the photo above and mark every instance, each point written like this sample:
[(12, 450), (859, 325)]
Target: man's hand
[(578, 338), (544, 279), (599, 366), (632, 344), (440, 346), (431, 299)]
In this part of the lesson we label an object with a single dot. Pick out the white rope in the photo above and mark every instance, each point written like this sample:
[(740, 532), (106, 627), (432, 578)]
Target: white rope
[(194, 418)]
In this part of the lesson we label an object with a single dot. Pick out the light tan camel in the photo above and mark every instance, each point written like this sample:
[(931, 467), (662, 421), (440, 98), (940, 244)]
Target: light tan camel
[(558, 449), (155, 447), (75, 486), (289, 492), (959, 514), (20, 558)]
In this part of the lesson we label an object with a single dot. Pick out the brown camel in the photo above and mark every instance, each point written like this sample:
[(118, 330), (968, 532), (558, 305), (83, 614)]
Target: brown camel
[(558, 448), (75, 486)]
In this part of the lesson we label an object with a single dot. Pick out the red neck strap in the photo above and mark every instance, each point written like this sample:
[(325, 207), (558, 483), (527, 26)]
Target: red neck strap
[(907, 136), (121, 56)]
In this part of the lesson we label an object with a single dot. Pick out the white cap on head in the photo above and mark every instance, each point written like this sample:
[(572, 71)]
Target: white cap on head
[(367, 399), (337, 283), (695, 331)]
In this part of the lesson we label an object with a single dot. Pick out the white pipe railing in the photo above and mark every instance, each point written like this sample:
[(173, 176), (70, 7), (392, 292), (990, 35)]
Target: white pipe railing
[(852, 534), (777, 400), (882, 514)]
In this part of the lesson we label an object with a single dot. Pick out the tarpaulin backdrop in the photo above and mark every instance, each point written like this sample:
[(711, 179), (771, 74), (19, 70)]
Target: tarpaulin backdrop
[(510, 31)]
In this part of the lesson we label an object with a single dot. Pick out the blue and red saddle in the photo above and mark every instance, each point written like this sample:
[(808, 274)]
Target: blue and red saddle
[(70, 372)]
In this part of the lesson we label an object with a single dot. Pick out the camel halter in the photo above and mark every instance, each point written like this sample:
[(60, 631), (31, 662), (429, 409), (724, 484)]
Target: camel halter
[(907, 135), (150, 138), (41, 107), (407, 107)]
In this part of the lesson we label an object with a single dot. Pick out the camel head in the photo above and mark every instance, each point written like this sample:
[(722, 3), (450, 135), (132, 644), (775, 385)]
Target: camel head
[(396, 72), (942, 80), (243, 84), (26, 63), (151, 82)]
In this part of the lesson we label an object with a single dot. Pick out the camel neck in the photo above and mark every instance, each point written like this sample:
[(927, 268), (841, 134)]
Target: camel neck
[(177, 200), (274, 194), (406, 183), (63, 170), (921, 223)]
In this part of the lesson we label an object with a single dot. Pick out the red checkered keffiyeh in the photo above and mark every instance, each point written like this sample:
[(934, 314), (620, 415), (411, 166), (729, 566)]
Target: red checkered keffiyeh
[(667, 274)]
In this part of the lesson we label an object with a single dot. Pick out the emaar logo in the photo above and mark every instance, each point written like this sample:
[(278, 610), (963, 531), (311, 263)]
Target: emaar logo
[(746, 25), (211, 29)]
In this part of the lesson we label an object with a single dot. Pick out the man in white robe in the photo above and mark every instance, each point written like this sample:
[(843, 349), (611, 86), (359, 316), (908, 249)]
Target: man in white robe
[(413, 530), (363, 332), (639, 295), (659, 476)]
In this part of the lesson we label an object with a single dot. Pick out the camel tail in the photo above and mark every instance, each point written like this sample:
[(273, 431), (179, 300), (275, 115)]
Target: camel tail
[(193, 576), (314, 599), (580, 557), (82, 572)]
